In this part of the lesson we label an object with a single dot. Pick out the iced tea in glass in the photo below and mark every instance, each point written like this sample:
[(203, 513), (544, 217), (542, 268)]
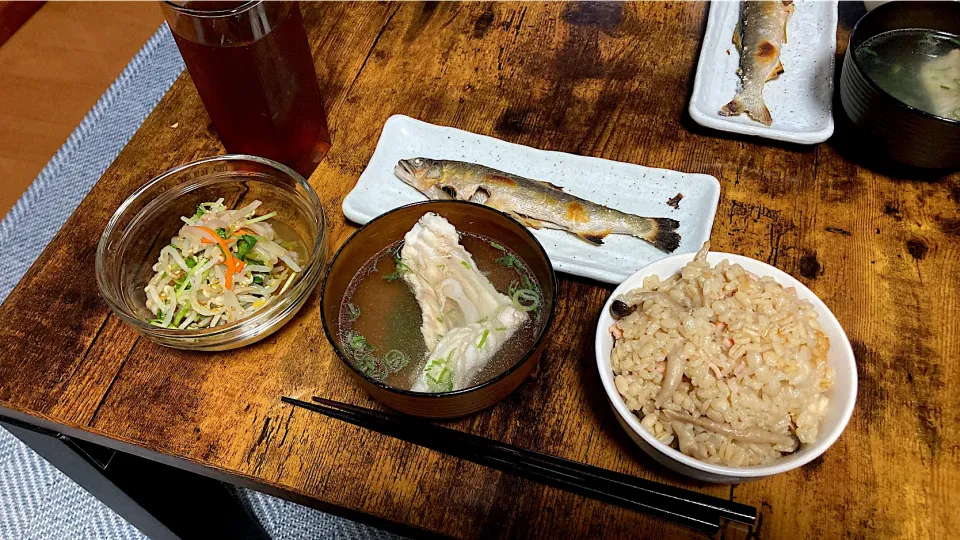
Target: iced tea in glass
[(252, 66)]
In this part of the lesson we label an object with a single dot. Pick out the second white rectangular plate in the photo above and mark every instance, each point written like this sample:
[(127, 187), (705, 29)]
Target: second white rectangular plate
[(800, 100), (629, 188)]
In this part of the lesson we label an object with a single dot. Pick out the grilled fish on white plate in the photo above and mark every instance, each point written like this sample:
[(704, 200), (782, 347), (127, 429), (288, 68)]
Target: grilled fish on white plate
[(534, 203)]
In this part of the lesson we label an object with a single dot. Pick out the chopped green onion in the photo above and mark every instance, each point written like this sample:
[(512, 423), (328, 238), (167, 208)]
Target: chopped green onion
[(465, 264), (261, 218), (497, 246), (179, 316), (501, 329), (353, 312), (525, 299), (450, 356), (158, 320), (395, 360), (868, 50), (359, 343), (483, 339), (244, 245), (366, 364), (183, 284), (258, 279), (222, 233), (524, 283), (200, 210), (191, 261), (439, 319), (442, 381), (509, 260), (401, 268)]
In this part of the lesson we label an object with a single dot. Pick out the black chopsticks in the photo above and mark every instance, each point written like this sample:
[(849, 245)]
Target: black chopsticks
[(696, 510)]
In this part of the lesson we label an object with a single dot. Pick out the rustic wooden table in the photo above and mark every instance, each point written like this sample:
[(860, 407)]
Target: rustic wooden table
[(607, 80)]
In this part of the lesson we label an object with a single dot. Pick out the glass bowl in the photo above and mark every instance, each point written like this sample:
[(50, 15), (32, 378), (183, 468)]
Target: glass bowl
[(467, 217), (150, 217)]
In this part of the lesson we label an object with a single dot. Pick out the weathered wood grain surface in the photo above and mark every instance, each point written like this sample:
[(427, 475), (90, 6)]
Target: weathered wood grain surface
[(879, 247)]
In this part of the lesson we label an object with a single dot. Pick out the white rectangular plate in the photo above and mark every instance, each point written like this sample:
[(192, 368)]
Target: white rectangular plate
[(800, 100), (629, 188)]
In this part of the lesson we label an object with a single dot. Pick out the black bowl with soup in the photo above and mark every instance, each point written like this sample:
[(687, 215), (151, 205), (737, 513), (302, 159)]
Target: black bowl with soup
[(900, 83)]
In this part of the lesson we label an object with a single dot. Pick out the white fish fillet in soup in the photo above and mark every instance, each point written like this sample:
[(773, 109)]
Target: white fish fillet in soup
[(465, 320)]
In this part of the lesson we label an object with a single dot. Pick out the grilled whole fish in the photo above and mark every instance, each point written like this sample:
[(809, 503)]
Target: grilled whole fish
[(759, 34), (534, 203)]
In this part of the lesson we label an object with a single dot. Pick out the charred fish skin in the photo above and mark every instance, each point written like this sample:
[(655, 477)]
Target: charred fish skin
[(759, 36), (534, 203)]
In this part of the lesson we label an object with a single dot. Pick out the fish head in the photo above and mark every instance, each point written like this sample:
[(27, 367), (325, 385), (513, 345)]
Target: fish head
[(423, 174)]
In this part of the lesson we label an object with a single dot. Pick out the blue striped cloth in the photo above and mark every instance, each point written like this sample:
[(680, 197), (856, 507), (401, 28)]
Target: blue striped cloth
[(36, 500)]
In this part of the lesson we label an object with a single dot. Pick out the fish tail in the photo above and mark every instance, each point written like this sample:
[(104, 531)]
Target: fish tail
[(665, 235), (752, 105), (661, 232)]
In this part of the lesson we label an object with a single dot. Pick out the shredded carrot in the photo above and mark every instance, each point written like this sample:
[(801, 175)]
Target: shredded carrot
[(234, 239), (229, 241), (230, 261)]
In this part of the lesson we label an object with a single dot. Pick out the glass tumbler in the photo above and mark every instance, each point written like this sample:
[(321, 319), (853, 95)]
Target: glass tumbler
[(252, 67)]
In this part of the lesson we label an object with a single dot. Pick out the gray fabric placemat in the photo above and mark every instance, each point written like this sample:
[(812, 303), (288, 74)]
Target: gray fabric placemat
[(91, 148), (37, 501)]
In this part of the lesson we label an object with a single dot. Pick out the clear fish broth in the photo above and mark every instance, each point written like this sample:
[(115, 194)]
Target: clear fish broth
[(918, 67), (390, 317)]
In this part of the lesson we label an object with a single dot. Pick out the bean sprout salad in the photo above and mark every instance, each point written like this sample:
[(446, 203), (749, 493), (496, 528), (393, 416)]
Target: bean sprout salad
[(223, 265)]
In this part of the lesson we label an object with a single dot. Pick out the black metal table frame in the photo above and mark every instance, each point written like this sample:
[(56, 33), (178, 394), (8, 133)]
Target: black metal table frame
[(162, 501), (163, 496)]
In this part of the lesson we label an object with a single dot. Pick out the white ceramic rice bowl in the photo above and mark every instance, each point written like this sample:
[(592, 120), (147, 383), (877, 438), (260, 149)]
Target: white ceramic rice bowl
[(842, 395)]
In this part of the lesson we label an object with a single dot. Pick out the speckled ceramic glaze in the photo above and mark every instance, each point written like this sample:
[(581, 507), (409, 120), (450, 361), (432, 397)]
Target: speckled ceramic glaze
[(800, 100), (629, 188)]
